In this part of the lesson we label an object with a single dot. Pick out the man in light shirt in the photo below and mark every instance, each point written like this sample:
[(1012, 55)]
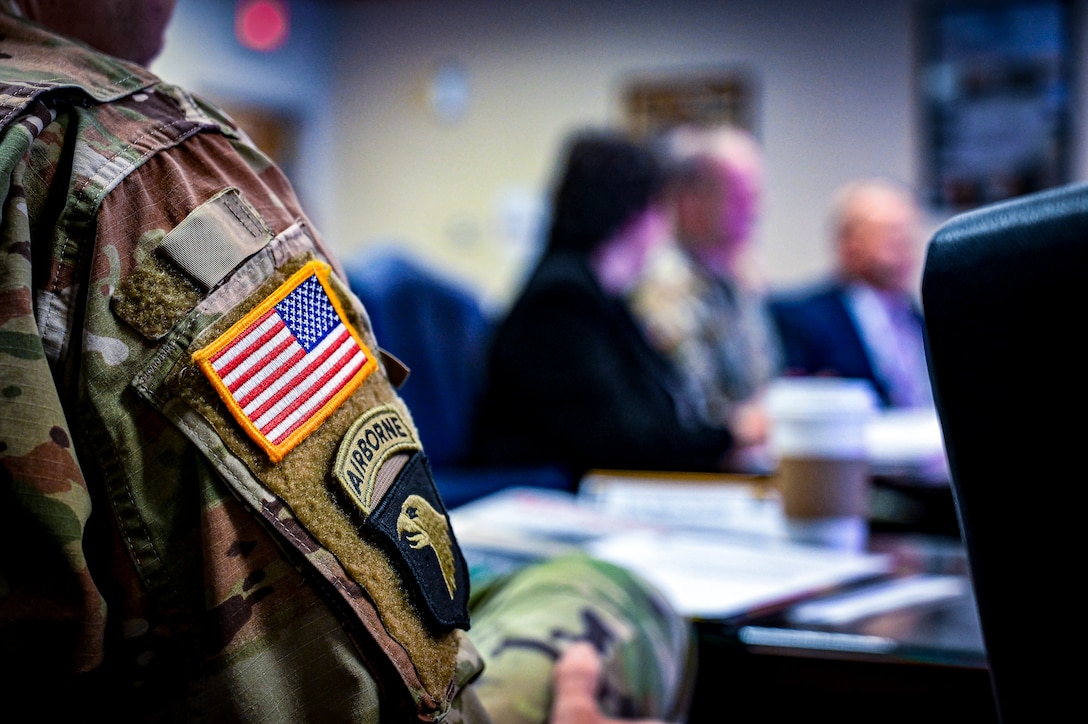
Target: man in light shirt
[(864, 322)]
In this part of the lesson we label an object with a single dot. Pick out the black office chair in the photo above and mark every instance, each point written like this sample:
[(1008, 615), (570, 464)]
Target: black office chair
[(1005, 296)]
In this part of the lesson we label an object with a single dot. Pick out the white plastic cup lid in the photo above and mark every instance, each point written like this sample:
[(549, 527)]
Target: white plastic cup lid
[(820, 397), (820, 416)]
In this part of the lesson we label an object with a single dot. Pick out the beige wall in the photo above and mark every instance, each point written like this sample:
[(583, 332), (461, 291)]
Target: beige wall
[(836, 101)]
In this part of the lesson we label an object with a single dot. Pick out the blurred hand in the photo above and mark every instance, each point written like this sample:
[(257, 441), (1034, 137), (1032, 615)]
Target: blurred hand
[(576, 676), (750, 424)]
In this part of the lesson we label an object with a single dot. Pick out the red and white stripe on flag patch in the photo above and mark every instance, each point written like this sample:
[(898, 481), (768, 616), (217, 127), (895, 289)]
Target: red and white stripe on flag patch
[(287, 365)]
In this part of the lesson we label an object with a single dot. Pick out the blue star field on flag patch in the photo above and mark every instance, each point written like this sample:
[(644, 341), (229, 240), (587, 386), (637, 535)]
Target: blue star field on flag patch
[(308, 313)]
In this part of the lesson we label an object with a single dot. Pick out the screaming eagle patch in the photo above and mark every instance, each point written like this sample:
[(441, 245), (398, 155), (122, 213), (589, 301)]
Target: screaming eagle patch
[(287, 365), (385, 479)]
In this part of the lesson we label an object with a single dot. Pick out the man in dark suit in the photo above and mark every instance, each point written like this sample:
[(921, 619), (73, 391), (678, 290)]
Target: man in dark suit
[(864, 321)]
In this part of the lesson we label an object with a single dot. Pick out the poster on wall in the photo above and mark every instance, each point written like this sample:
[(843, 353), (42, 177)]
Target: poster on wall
[(653, 103), (995, 85)]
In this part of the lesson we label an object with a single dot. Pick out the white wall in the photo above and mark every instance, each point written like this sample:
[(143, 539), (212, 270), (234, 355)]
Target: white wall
[(836, 101)]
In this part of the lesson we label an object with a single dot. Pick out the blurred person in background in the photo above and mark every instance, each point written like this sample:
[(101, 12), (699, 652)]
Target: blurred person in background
[(194, 528), (700, 298), (572, 379), (864, 321)]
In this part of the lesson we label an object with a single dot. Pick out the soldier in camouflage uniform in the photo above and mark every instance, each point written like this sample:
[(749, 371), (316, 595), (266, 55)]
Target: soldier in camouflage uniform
[(699, 301), (215, 505)]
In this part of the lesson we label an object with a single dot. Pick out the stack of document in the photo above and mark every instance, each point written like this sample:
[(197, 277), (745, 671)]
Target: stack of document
[(715, 552)]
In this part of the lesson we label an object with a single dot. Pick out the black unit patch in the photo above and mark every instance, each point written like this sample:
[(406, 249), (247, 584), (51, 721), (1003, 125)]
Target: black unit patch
[(412, 521)]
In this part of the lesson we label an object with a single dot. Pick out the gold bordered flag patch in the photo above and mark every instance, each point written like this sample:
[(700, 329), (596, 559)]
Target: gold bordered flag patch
[(287, 365)]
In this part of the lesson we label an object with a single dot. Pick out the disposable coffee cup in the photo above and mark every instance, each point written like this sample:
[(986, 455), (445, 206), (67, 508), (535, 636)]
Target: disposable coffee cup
[(818, 443)]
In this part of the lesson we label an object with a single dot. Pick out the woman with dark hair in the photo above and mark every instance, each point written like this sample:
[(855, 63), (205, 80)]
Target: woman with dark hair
[(571, 379)]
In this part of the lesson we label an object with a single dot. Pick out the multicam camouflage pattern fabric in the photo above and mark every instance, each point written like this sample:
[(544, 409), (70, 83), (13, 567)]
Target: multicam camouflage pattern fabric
[(521, 624), (714, 330), (154, 562), (132, 550)]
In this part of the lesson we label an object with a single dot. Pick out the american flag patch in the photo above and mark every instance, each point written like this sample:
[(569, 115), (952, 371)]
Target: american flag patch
[(287, 365)]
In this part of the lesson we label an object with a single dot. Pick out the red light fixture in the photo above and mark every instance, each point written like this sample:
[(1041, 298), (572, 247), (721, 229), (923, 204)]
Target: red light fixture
[(262, 25)]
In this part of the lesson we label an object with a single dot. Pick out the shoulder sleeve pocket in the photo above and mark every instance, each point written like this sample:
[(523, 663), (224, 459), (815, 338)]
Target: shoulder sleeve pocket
[(269, 376)]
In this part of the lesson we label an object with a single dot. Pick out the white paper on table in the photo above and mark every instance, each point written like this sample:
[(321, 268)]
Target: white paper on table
[(705, 573), (709, 576), (731, 507), (527, 520), (893, 595), (907, 440)]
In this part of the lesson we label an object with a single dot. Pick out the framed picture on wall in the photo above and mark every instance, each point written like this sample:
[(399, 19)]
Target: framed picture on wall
[(995, 82), (653, 103)]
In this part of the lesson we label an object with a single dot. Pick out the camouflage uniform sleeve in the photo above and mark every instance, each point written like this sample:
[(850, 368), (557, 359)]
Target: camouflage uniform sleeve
[(51, 611), (174, 551), (366, 593), (522, 624)]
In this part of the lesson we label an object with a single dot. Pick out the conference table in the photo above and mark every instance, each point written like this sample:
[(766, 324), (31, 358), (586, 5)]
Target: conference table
[(861, 654), (887, 634)]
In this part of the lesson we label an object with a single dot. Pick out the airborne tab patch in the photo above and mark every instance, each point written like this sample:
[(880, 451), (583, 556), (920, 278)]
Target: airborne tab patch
[(369, 443), (412, 523), (287, 365)]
